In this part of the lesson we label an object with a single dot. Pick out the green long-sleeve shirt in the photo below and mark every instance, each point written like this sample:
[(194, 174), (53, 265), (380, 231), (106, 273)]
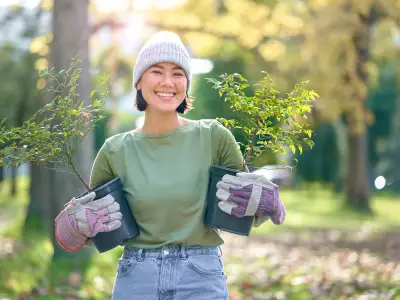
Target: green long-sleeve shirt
[(165, 178)]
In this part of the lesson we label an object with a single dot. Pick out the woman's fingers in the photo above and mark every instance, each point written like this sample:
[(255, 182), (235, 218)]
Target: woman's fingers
[(113, 225), (101, 203), (113, 208), (111, 217)]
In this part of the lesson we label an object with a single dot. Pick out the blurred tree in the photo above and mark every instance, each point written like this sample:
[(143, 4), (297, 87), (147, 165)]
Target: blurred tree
[(391, 171), (326, 41), (17, 71), (111, 60), (30, 59), (11, 100), (326, 161), (266, 30), (208, 104), (23, 28), (339, 40), (35, 58), (49, 190), (382, 102), (19, 81), (386, 101), (71, 37)]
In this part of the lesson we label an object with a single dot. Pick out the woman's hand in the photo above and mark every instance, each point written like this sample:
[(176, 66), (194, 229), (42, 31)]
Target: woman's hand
[(249, 194), (83, 218)]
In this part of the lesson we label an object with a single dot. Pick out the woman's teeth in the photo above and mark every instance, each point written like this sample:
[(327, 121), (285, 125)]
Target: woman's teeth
[(165, 94)]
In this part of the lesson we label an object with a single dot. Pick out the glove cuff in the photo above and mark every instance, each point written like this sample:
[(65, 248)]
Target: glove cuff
[(271, 205), (279, 216), (67, 234)]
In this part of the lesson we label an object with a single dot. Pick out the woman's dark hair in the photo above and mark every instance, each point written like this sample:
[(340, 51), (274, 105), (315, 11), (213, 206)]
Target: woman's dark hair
[(183, 108)]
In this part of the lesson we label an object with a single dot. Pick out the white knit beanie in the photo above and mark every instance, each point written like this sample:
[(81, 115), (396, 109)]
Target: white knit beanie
[(163, 46)]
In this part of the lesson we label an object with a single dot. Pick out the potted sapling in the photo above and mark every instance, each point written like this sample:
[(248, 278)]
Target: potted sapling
[(268, 121), (53, 135)]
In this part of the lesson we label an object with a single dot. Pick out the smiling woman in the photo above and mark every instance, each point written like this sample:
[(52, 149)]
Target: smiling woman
[(164, 169), (163, 86), (162, 77)]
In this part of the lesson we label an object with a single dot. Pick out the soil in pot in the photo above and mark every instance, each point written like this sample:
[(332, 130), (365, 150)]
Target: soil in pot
[(214, 216)]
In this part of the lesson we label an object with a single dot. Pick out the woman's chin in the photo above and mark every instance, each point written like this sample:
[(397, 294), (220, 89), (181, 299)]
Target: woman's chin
[(166, 108)]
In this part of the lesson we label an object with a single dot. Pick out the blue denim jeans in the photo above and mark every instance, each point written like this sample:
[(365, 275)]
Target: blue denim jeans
[(170, 273)]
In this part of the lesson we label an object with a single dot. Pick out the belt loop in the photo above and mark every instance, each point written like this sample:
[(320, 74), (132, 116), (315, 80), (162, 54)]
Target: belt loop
[(218, 251), (183, 252), (139, 256)]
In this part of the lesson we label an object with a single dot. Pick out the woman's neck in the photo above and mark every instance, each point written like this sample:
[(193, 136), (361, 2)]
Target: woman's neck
[(155, 123)]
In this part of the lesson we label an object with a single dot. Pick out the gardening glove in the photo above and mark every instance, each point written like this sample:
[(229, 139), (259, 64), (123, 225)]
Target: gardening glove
[(83, 218), (249, 194)]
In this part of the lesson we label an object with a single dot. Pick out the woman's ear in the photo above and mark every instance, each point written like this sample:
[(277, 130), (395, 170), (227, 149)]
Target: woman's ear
[(139, 85)]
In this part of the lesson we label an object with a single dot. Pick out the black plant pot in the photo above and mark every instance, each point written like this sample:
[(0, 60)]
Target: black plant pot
[(215, 217), (105, 241)]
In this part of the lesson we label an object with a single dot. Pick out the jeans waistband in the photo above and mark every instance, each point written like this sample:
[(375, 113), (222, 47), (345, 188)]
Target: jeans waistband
[(171, 251)]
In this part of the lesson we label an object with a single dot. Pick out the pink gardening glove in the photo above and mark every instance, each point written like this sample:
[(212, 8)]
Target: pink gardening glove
[(249, 194), (83, 218)]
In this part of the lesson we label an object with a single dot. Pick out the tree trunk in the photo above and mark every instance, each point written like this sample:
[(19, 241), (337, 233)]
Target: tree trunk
[(36, 219), (1, 174), (357, 190), (13, 179), (22, 108), (39, 193), (392, 172), (71, 35)]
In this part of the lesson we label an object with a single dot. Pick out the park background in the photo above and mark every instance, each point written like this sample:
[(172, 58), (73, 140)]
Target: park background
[(341, 238)]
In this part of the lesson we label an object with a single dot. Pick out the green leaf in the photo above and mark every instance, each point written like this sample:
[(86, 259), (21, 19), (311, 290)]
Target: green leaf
[(300, 148), (293, 148), (264, 112)]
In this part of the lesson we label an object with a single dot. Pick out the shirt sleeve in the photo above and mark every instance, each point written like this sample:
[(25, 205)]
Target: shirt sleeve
[(226, 151), (101, 170)]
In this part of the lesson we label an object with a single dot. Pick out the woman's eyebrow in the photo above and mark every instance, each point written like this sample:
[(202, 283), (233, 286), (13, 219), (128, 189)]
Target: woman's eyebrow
[(157, 66), (177, 68), (162, 67)]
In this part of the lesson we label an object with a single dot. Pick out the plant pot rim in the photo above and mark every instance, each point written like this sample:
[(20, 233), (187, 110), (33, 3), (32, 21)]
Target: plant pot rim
[(224, 168), (106, 183), (107, 187)]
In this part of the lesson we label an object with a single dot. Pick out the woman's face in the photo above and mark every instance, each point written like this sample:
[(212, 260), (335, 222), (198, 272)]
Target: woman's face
[(163, 86)]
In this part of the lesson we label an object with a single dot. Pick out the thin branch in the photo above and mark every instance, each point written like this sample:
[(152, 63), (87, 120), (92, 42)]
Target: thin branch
[(251, 145), (56, 169), (76, 171), (84, 135)]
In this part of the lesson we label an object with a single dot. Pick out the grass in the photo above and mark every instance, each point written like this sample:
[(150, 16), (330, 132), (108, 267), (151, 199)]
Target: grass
[(26, 259), (325, 209)]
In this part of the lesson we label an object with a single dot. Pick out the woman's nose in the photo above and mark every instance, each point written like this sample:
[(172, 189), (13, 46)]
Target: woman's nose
[(167, 80)]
